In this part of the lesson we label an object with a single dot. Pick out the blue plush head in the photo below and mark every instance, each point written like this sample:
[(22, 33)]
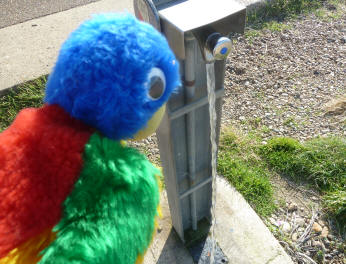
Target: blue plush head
[(114, 72)]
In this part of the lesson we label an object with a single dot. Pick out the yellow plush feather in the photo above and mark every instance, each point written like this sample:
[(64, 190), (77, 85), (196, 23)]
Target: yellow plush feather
[(28, 252)]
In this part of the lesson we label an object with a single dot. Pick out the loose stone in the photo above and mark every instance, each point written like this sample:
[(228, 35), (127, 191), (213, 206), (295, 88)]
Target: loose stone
[(317, 243), (286, 227), (325, 232), (294, 237), (316, 227), (292, 207)]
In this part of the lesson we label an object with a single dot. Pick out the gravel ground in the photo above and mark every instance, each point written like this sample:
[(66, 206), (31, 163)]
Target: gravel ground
[(290, 83), (281, 81), (301, 227)]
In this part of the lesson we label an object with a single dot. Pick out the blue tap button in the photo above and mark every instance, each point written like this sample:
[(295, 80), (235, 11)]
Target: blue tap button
[(223, 50)]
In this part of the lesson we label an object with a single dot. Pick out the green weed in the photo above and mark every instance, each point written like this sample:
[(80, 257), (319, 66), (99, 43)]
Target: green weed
[(329, 12), (290, 122), (321, 13), (320, 256), (255, 122), (251, 34), (275, 26), (273, 13), (265, 130), (335, 204)]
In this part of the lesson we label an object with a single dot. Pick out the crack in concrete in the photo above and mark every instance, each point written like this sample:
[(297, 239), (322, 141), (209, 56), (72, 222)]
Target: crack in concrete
[(274, 257)]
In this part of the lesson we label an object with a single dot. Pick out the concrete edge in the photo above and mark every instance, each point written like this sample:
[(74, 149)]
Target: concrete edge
[(243, 236)]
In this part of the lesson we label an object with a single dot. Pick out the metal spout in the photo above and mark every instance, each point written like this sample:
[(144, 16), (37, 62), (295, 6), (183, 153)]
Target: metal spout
[(216, 47)]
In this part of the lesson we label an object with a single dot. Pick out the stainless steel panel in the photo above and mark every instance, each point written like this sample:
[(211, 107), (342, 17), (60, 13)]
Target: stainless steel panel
[(193, 14), (201, 18)]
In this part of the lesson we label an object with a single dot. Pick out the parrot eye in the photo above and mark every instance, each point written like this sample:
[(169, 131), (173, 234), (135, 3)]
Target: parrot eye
[(157, 83)]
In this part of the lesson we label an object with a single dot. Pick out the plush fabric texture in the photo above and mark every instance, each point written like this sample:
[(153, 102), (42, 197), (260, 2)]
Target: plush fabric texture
[(64, 175), (101, 76), (109, 216), (40, 160), (29, 251)]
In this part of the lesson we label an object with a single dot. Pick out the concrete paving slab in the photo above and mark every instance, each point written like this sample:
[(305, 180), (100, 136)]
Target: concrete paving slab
[(16, 11), (167, 247), (29, 50), (240, 233)]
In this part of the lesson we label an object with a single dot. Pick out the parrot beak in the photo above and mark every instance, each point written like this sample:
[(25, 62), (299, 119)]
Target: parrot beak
[(152, 124)]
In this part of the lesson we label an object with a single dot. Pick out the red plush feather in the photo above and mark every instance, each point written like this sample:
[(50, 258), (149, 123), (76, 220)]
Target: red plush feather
[(40, 160)]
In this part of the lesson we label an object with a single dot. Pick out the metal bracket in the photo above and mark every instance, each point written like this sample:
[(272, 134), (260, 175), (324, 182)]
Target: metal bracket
[(194, 105), (195, 188)]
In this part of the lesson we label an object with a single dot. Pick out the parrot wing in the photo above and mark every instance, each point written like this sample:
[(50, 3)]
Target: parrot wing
[(109, 217), (40, 160)]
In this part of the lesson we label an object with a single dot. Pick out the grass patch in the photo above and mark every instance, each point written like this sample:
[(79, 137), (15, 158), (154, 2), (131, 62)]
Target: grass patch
[(278, 10), (335, 204), (29, 94), (271, 15), (330, 11), (239, 163), (275, 26), (320, 162), (250, 34)]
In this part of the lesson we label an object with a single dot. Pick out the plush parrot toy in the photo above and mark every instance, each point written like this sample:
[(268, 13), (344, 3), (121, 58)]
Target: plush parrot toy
[(70, 191)]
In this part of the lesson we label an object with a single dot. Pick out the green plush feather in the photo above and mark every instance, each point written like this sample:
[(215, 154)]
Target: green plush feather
[(109, 216)]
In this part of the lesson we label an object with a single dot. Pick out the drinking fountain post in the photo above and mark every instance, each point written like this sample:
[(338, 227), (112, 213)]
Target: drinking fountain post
[(197, 33)]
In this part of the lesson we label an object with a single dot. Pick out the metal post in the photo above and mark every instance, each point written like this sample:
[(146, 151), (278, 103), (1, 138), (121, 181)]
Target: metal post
[(191, 138), (196, 31)]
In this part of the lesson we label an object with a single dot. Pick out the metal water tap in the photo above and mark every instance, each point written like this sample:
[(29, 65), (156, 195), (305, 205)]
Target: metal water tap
[(217, 47)]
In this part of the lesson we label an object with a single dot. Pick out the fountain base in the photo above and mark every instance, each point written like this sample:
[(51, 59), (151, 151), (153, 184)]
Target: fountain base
[(201, 252)]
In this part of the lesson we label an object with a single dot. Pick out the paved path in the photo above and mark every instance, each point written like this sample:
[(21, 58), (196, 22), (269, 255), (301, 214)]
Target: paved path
[(28, 50), (16, 11)]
